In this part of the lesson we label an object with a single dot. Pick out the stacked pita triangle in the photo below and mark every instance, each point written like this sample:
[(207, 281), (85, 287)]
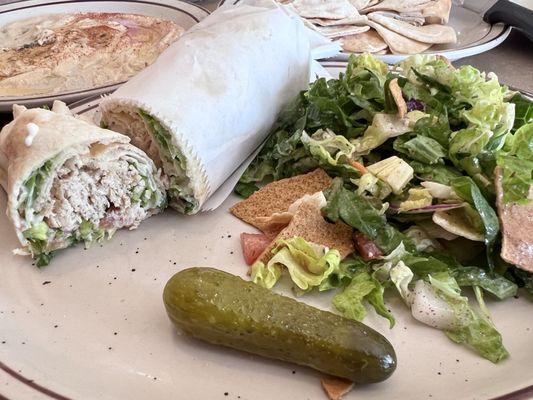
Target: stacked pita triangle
[(379, 26)]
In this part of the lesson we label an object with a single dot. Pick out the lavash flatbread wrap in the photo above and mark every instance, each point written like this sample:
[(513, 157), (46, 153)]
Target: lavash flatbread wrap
[(68, 181), (211, 98)]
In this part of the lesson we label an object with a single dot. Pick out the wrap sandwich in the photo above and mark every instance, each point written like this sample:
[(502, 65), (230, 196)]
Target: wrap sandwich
[(68, 181), (211, 98)]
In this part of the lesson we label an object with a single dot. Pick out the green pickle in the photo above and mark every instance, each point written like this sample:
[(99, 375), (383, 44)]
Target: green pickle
[(224, 309)]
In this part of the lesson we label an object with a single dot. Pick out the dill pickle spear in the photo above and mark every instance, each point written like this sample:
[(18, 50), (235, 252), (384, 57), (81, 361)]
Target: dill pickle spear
[(224, 309)]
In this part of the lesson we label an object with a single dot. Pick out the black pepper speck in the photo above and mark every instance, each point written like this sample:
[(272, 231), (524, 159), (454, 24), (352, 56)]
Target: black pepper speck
[(47, 282)]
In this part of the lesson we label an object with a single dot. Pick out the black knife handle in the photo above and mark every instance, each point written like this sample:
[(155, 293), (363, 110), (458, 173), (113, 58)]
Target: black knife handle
[(511, 14)]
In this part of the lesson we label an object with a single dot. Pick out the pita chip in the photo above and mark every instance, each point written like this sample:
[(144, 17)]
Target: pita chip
[(329, 9), (335, 387), (434, 34), (437, 12), (277, 197), (366, 42), (397, 95), (309, 224), (397, 43), (517, 227), (333, 32), (398, 6)]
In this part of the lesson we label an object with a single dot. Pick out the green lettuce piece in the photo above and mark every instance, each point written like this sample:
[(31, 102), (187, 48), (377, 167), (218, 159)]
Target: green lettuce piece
[(401, 275), (370, 63), (470, 85), (497, 118), (385, 126), (333, 152), (420, 148), (308, 264), (429, 65), (357, 212), (465, 188), (523, 110), (245, 189), (470, 328), (443, 174), (394, 171), (179, 192), (363, 286), (37, 231), (418, 198), (467, 142), (516, 161), (499, 286)]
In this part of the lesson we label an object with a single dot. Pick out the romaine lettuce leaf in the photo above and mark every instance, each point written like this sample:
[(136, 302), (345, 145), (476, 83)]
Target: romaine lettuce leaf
[(516, 161), (363, 286), (420, 148), (357, 212), (470, 328), (308, 264), (465, 188), (523, 110)]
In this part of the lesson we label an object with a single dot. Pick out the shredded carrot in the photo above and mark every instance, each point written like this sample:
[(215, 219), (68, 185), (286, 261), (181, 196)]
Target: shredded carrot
[(358, 166)]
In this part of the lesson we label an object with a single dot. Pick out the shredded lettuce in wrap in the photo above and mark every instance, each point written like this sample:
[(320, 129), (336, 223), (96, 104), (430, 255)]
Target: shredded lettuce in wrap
[(180, 194)]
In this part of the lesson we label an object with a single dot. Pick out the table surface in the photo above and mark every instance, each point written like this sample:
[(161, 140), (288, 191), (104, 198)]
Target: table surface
[(512, 61)]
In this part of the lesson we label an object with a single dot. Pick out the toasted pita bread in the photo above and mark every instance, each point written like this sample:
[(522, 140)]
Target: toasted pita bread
[(397, 95), (366, 42), (399, 44), (309, 223), (329, 9), (398, 6), (334, 32), (517, 227), (414, 18), (437, 12), (276, 197), (360, 4), (434, 34), (356, 20), (335, 387)]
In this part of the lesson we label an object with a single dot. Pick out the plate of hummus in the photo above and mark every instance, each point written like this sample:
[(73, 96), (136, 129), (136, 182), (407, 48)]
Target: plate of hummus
[(69, 50)]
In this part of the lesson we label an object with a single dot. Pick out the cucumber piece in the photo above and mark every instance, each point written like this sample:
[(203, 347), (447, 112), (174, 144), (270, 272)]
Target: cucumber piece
[(224, 309)]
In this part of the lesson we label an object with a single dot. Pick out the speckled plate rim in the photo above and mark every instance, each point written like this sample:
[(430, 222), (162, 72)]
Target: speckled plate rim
[(175, 7)]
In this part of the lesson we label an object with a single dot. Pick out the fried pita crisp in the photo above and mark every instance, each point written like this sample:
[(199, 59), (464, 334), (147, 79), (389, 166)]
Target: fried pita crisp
[(276, 197), (335, 387), (309, 224), (517, 227)]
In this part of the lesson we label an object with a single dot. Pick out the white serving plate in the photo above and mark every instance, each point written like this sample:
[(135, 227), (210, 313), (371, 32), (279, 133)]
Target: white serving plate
[(183, 13), (92, 325), (474, 36)]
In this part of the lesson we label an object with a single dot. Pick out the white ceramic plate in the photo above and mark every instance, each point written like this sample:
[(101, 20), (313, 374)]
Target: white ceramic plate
[(184, 14), (474, 36), (92, 326)]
